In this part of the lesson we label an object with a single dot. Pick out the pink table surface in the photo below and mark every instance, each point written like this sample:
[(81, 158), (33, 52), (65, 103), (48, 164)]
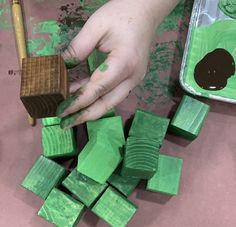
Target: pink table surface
[(207, 195)]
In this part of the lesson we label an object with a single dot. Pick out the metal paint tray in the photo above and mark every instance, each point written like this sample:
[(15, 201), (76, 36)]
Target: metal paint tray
[(204, 13)]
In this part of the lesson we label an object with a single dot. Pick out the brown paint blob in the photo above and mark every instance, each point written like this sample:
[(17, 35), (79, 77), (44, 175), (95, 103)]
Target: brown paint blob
[(213, 71)]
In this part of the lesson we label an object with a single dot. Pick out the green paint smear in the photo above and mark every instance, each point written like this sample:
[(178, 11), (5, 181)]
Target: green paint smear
[(228, 7), (51, 39), (103, 67), (5, 21), (221, 34)]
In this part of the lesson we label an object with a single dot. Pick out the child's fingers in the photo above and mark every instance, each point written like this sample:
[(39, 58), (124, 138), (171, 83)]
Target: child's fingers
[(101, 106), (86, 40), (109, 75), (77, 84)]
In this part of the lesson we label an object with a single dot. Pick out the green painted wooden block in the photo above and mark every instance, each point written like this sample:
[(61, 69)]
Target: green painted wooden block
[(57, 142), (99, 158), (49, 121), (61, 210), (166, 180), (189, 118), (148, 125), (44, 175), (112, 126), (126, 185), (95, 59), (84, 188), (114, 208), (141, 158)]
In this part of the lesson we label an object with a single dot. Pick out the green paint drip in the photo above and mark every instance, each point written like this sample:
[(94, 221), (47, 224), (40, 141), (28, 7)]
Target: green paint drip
[(218, 35), (228, 7), (103, 67), (48, 44)]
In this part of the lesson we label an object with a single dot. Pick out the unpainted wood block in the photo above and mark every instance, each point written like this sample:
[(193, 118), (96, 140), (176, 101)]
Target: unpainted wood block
[(99, 158), (57, 142), (114, 208), (44, 84), (148, 125), (141, 158), (44, 175), (189, 118), (125, 185), (112, 126), (61, 210), (50, 121), (166, 179), (84, 188)]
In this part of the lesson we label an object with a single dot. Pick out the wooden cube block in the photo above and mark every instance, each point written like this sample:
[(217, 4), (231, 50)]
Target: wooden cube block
[(61, 210), (57, 142), (125, 185), (44, 84), (148, 125), (50, 121), (112, 126), (114, 208), (99, 158), (189, 118), (44, 175), (141, 158), (166, 180), (84, 188)]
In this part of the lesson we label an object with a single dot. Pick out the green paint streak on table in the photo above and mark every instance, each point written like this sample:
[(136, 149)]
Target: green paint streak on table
[(43, 176), (189, 118), (57, 142), (166, 180), (114, 208), (84, 188), (61, 209)]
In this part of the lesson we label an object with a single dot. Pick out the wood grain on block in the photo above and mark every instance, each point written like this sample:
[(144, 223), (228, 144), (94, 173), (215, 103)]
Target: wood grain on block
[(57, 142), (99, 158), (44, 175), (84, 188), (141, 158), (44, 84), (61, 210), (114, 208), (166, 180), (189, 118), (148, 125)]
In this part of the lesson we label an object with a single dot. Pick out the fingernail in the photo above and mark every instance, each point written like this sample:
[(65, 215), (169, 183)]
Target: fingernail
[(70, 58), (65, 104), (68, 121), (71, 63), (103, 67)]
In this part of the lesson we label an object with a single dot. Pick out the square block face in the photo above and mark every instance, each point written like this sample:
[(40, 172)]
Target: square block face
[(166, 180), (114, 208), (50, 121), (141, 158), (189, 118), (44, 175), (111, 125), (44, 84), (57, 142), (99, 158), (61, 210), (84, 188), (125, 185), (148, 125)]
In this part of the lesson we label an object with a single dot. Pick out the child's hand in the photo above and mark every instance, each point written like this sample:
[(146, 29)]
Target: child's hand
[(124, 29)]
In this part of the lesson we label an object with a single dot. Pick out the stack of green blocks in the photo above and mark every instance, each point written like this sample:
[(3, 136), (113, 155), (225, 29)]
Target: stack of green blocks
[(101, 182), (146, 135)]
